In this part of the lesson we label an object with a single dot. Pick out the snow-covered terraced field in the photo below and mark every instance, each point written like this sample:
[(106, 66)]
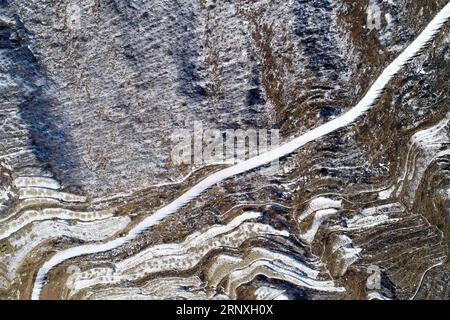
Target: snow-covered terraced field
[(92, 206)]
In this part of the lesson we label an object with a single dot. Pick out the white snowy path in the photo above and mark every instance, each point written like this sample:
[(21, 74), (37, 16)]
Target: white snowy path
[(367, 101)]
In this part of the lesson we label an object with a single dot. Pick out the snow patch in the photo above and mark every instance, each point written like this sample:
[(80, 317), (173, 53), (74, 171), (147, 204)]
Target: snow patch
[(269, 293), (346, 254), (386, 194), (40, 182)]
